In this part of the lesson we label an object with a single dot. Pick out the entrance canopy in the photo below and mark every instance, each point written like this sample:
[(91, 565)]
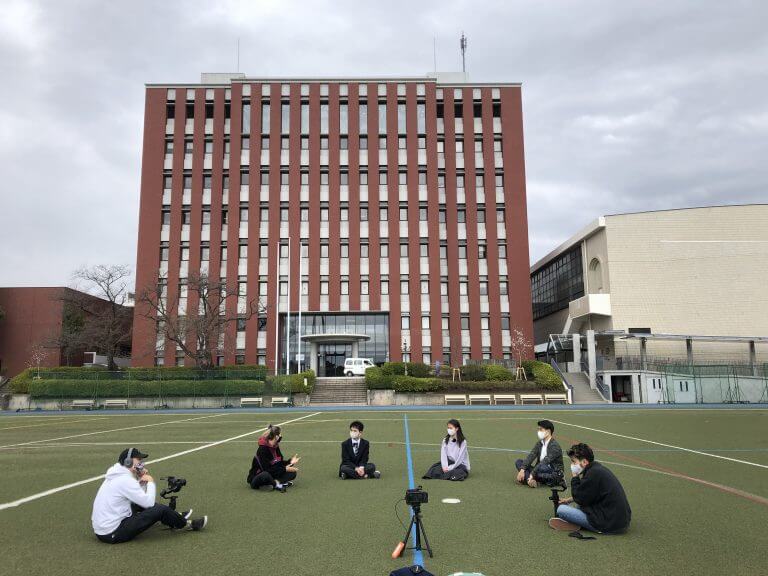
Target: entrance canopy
[(315, 340)]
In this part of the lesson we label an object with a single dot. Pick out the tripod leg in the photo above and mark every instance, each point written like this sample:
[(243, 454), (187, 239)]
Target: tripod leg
[(420, 527), (408, 531)]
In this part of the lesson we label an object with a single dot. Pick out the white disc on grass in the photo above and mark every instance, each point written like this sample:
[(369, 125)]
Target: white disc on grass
[(451, 501)]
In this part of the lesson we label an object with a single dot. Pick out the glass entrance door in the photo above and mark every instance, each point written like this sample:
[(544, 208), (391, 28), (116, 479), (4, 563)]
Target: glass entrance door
[(330, 359)]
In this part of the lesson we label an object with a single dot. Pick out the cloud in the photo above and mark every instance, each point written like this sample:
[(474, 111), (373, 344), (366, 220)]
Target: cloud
[(630, 106)]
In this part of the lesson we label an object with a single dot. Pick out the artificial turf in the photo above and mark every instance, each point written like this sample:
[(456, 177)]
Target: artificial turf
[(692, 513)]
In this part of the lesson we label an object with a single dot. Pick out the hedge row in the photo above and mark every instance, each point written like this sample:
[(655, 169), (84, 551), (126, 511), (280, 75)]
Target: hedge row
[(20, 383), (292, 383), (416, 369), (138, 388)]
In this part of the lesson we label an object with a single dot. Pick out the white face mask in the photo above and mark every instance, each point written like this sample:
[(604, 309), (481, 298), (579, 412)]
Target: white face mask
[(576, 469), (354, 434), (451, 431), (542, 434)]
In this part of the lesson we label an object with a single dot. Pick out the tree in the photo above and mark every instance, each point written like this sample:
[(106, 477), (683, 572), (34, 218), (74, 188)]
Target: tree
[(37, 355), (95, 312), (203, 328), (520, 345)]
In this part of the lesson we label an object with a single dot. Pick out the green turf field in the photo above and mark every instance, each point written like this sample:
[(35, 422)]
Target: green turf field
[(703, 511)]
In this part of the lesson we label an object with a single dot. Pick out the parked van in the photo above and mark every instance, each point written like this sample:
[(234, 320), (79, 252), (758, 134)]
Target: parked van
[(357, 366)]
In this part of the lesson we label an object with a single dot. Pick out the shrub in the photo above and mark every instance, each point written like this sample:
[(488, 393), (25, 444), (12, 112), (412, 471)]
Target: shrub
[(375, 379), (413, 384), (60, 388), (393, 369), (292, 383), (497, 372), (473, 372), (546, 377), (419, 370)]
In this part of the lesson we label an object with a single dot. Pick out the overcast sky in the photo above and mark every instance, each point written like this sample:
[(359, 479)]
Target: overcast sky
[(628, 106)]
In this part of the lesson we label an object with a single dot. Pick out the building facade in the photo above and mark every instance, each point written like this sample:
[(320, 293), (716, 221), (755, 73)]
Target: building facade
[(404, 199)]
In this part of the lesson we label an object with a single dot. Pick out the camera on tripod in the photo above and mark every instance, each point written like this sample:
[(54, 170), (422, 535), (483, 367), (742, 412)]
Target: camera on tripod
[(416, 497), (175, 484)]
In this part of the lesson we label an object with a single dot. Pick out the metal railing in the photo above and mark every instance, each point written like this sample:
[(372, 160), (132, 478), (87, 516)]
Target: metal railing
[(566, 385), (602, 388)]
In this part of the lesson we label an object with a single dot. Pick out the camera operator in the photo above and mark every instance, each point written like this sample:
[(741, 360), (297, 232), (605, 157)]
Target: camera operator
[(268, 469), (125, 503), (547, 455), (603, 505)]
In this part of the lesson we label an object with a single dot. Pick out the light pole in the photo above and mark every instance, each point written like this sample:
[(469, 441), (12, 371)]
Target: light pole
[(405, 355)]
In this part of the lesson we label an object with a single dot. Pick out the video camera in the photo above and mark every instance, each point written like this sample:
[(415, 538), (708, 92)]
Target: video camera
[(416, 497), (556, 483), (175, 484)]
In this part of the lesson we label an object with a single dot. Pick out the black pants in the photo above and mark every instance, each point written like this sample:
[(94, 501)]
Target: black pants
[(435, 472), (266, 479), (351, 473), (543, 473), (140, 521)]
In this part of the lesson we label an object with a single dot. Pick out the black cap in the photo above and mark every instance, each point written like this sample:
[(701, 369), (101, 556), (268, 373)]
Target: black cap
[(135, 453)]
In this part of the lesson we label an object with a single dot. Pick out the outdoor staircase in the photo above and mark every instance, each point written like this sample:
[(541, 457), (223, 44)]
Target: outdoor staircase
[(582, 393), (338, 391)]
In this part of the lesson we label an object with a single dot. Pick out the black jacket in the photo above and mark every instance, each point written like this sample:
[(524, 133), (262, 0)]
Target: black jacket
[(348, 457), (266, 461), (601, 497), (554, 456)]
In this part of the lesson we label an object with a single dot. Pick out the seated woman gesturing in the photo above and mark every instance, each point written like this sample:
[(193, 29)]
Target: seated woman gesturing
[(454, 456), (269, 469)]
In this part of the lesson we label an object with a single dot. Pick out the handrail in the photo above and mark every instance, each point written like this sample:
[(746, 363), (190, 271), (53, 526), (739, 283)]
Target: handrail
[(568, 388), (602, 388)]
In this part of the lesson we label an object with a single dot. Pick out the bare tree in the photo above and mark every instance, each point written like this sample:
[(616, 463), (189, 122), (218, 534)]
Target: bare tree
[(199, 328), (38, 354), (520, 345), (100, 298)]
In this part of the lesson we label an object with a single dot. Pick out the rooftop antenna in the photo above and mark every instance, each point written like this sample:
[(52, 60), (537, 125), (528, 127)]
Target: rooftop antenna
[(463, 44)]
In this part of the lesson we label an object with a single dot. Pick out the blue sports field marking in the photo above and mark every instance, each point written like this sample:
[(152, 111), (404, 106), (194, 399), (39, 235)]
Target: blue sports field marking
[(418, 557)]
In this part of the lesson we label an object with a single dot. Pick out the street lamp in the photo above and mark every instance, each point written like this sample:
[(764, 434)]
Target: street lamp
[(405, 355)]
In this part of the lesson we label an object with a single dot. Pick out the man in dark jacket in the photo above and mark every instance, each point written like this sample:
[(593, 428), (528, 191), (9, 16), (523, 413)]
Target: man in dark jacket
[(544, 464), (603, 505), (354, 456)]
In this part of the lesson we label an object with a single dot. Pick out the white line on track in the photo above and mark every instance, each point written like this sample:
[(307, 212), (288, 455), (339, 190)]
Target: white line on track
[(39, 495), (699, 452), (108, 431), (57, 422)]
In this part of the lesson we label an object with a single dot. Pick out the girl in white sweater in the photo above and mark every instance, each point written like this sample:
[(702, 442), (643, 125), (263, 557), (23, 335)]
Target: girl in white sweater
[(454, 456)]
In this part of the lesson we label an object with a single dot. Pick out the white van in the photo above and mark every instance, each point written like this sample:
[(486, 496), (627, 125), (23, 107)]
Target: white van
[(357, 366)]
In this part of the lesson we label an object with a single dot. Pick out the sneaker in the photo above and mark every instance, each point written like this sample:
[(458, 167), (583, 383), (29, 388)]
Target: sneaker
[(377, 475), (560, 524), (280, 487), (187, 515), (343, 476), (197, 524), (266, 488), (288, 484)]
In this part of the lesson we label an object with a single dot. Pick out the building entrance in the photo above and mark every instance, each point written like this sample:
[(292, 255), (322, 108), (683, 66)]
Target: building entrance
[(331, 357)]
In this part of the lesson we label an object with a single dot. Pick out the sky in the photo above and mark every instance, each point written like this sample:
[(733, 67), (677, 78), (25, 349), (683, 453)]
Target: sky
[(628, 106)]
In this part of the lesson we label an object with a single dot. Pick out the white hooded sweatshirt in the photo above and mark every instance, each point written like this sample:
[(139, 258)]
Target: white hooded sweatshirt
[(113, 500)]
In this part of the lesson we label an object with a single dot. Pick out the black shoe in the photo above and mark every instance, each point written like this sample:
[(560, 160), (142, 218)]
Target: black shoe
[(281, 488), (377, 475), (288, 484), (197, 524), (343, 476)]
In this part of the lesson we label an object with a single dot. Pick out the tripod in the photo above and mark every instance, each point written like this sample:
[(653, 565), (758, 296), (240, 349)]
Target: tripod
[(555, 498), (417, 524)]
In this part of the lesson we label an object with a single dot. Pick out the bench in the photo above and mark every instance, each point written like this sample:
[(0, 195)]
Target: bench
[(479, 399), (531, 399), (116, 403), (555, 398), (456, 399), (281, 401), (253, 401), (504, 399), (87, 404)]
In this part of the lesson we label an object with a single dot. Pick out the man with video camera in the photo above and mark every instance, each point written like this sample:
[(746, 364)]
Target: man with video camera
[(125, 503), (602, 503)]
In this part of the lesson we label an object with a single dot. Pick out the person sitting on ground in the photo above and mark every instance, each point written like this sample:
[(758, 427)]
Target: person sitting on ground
[(544, 464), (354, 456), (125, 506), (603, 505), (268, 469), (454, 456)]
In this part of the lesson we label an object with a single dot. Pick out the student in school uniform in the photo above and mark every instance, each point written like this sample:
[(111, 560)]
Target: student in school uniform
[(354, 456), (454, 456), (269, 470)]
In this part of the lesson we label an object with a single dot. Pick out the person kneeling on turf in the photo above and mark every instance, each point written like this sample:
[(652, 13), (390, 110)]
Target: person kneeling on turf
[(354, 456), (454, 456), (603, 505), (548, 457), (268, 469), (125, 503)]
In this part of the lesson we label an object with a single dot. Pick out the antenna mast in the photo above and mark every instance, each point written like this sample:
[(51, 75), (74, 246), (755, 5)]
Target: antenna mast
[(463, 44)]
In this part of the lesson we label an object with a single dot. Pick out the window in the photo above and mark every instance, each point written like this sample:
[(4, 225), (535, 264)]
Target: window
[(264, 214), (304, 117), (402, 178), (459, 180), (304, 143), (186, 217), (242, 251), (483, 288), (385, 286), (384, 251), (188, 147), (363, 142), (209, 147), (285, 143), (345, 287), (402, 143), (403, 214), (264, 251), (423, 214), (404, 287), (364, 178), (324, 143), (245, 143), (557, 283), (505, 322), (344, 178), (344, 214), (382, 142), (344, 118), (206, 217), (422, 178), (364, 287), (167, 182), (461, 215), (383, 214), (382, 177), (502, 250), (482, 251), (185, 253), (422, 142), (421, 118), (304, 214), (503, 288), (481, 216), (324, 214), (425, 322), (382, 116), (497, 109), (265, 143), (324, 287), (425, 286), (462, 252), (243, 214), (345, 250), (283, 214), (363, 120), (478, 146), (363, 250), (465, 323), (246, 117), (403, 250), (497, 146), (223, 253), (304, 178), (166, 218), (424, 250), (324, 178), (164, 254), (284, 178), (324, 118), (500, 215), (363, 214), (401, 128), (343, 143), (464, 288), (264, 178), (265, 118), (405, 322), (459, 146), (323, 250)]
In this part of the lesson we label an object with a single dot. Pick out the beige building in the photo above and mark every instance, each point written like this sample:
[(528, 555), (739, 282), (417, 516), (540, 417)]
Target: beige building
[(695, 280)]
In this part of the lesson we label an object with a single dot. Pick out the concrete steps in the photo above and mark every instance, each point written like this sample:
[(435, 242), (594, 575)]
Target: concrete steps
[(582, 393), (339, 390)]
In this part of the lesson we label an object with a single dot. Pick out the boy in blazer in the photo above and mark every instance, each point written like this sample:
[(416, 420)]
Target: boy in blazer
[(354, 456)]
